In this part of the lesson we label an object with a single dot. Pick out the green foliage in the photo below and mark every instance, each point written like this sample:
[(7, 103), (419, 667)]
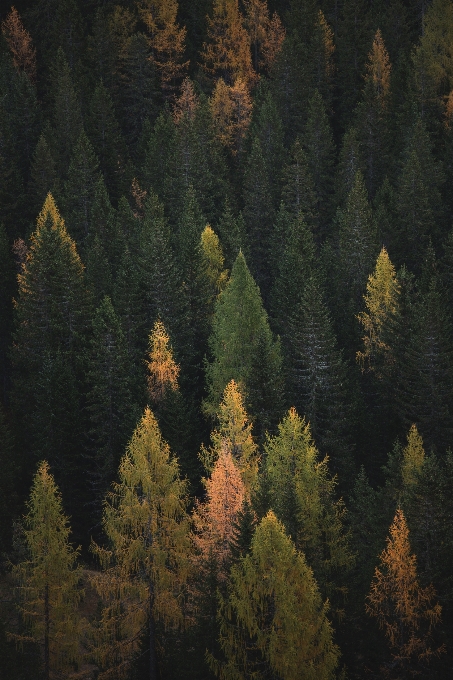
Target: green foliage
[(273, 620), (48, 580)]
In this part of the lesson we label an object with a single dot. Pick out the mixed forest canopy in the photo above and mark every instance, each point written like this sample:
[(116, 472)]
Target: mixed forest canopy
[(226, 339)]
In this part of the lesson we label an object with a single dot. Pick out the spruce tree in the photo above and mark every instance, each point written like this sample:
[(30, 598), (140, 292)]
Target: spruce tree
[(298, 193), (146, 564), (50, 322), (273, 603), (240, 334), (48, 579)]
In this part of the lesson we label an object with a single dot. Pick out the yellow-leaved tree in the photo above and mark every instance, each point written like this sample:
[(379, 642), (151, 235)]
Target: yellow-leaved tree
[(48, 580), (273, 622), (404, 610), (147, 561), (163, 371), (381, 301), (413, 457)]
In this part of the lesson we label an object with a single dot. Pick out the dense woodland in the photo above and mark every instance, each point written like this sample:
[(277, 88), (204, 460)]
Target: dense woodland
[(226, 343)]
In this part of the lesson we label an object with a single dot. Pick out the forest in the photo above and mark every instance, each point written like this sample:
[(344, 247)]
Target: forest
[(226, 339)]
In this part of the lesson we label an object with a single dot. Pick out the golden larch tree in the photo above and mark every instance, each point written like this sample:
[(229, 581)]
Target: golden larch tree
[(413, 457), (404, 610), (378, 71), (231, 110), (163, 371)]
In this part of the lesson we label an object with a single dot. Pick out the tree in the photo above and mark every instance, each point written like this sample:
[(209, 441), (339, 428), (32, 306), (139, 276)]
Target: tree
[(413, 457), (226, 54), (166, 41), (240, 333), (109, 399), (298, 193), (42, 174), (405, 611), (381, 301), (273, 603), (50, 322), (147, 561), (301, 493), (20, 43), (48, 579), (231, 110), (234, 436)]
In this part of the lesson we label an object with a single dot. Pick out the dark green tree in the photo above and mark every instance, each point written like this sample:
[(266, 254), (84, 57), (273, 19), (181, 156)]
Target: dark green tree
[(43, 177), (298, 192)]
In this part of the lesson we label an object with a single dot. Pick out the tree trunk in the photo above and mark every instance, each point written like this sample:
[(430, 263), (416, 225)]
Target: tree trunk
[(152, 636), (46, 633)]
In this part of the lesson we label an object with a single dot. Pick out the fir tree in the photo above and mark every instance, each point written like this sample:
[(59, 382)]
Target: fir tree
[(147, 561), (48, 579), (298, 193), (273, 602)]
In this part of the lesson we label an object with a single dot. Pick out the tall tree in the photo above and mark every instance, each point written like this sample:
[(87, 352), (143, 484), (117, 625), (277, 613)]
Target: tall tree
[(20, 44), (48, 579), (240, 335), (273, 603), (404, 609), (147, 559), (301, 493)]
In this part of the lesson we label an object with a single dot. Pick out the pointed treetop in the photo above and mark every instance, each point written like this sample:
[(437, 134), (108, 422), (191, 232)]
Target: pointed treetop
[(413, 457), (49, 211), (163, 371), (378, 70)]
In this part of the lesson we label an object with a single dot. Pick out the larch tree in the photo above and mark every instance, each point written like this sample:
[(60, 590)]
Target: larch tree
[(404, 610), (20, 44), (413, 457), (273, 621), (146, 563), (233, 435), (382, 305), (167, 43), (231, 110), (302, 494), (48, 580)]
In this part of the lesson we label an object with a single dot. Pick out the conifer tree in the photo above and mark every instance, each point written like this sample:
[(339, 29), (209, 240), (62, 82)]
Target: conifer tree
[(259, 214), (231, 231), (240, 333), (67, 116), (273, 603), (20, 44), (233, 435), (50, 321), (109, 400), (147, 559), (298, 193), (413, 457), (301, 493), (269, 129), (381, 301), (318, 377), (8, 482), (48, 579), (320, 150), (231, 110), (43, 177), (349, 163), (404, 609)]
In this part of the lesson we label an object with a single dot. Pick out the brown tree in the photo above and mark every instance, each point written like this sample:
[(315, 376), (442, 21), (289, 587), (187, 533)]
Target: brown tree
[(231, 109), (404, 610), (19, 42)]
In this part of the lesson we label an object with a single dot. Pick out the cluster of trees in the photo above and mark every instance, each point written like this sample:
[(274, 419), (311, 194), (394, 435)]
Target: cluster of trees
[(226, 249)]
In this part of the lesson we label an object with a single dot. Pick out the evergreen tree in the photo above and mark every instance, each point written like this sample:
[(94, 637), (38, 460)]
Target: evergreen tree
[(50, 320), (301, 494), (147, 561), (43, 177), (231, 231), (109, 401), (8, 484), (298, 193), (48, 579), (240, 334), (320, 150), (269, 130), (258, 214), (273, 603)]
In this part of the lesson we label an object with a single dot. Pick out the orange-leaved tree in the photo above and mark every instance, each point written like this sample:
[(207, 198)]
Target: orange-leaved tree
[(20, 44), (404, 610)]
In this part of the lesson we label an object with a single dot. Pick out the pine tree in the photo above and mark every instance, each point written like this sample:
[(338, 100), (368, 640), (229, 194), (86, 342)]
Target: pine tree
[(403, 609), (147, 561), (48, 579), (43, 177), (349, 163), (269, 130), (109, 400), (273, 603), (298, 193), (413, 457), (241, 331), (302, 496), (231, 231)]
